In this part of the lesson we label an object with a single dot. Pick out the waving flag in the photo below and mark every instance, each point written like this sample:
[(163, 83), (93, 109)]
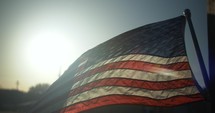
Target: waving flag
[(142, 70)]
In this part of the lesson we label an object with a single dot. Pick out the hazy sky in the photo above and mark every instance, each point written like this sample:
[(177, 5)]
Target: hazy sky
[(39, 39)]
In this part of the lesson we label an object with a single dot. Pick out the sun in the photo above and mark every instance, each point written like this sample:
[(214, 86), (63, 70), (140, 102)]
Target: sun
[(48, 50)]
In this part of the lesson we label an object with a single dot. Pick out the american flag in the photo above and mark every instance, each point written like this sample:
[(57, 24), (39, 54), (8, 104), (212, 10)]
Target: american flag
[(142, 70)]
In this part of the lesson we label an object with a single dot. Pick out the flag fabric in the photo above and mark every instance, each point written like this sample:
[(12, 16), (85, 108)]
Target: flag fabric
[(142, 70)]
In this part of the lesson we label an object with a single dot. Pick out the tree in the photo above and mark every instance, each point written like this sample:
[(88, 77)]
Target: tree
[(38, 89)]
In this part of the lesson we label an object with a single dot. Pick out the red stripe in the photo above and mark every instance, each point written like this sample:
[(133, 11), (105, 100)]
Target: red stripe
[(136, 65), (134, 100), (133, 83)]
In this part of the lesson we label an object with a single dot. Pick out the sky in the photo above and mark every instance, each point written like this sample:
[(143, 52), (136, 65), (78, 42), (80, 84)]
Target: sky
[(39, 39)]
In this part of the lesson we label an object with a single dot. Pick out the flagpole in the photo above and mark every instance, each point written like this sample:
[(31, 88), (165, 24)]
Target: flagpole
[(187, 14)]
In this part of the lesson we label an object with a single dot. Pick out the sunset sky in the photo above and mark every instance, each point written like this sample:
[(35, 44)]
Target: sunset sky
[(39, 39)]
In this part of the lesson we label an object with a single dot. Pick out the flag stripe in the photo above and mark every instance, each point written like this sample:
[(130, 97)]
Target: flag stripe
[(118, 90), (135, 74), (135, 57), (136, 65), (133, 83), (128, 74), (134, 100)]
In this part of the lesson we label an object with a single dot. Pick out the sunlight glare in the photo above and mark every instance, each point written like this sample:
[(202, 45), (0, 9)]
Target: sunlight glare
[(48, 50)]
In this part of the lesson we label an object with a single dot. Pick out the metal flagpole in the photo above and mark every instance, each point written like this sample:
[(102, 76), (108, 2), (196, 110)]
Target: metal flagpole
[(187, 14)]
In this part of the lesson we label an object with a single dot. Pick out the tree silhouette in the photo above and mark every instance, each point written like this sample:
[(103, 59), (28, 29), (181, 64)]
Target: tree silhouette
[(38, 89)]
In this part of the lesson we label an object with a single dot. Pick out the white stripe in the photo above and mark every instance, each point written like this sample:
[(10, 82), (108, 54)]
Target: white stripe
[(134, 74), (111, 90), (138, 57)]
